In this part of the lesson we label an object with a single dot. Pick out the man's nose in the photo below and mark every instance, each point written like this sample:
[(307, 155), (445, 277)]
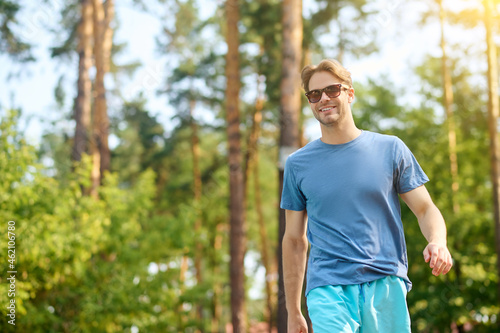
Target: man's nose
[(323, 94)]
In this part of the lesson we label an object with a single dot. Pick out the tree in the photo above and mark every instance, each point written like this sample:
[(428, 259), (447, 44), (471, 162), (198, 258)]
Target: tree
[(9, 42), (193, 68), (88, 29), (493, 113), (448, 106), (103, 36), (289, 111), (77, 256), (252, 168), (236, 189), (356, 38), (83, 99)]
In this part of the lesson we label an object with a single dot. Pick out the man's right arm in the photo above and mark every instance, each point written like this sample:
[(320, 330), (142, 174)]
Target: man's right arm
[(294, 265)]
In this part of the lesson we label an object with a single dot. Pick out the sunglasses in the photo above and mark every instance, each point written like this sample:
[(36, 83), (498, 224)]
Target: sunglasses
[(314, 96)]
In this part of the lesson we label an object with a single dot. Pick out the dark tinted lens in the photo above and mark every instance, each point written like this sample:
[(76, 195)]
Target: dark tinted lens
[(314, 96), (333, 91)]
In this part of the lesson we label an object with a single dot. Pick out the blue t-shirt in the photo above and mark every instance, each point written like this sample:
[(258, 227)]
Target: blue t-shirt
[(350, 192)]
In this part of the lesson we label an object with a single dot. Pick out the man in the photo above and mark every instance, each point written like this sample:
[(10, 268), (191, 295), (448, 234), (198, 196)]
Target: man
[(347, 183)]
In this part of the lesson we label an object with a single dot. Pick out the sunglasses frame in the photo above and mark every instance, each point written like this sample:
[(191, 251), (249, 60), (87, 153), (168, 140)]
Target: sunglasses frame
[(325, 90)]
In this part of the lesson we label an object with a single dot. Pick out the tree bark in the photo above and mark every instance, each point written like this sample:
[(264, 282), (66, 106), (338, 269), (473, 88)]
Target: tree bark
[(493, 112), (182, 280), (266, 258), (109, 15), (216, 303), (289, 115), (197, 191), (306, 59), (448, 106), (83, 98), (237, 231), (254, 136), (102, 47)]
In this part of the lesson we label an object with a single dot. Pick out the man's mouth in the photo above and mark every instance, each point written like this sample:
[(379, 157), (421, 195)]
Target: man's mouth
[(326, 109)]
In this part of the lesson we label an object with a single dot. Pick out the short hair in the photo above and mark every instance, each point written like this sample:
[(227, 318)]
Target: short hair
[(327, 65)]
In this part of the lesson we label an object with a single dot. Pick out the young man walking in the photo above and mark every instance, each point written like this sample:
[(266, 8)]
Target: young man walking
[(340, 194)]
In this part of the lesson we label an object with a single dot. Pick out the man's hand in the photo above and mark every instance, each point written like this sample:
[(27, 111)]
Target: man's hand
[(433, 228), (438, 257), (297, 324)]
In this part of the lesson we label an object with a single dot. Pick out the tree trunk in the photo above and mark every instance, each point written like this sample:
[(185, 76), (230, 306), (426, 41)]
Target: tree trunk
[(95, 174), (252, 166), (216, 303), (306, 59), (102, 45), (237, 231), (448, 106), (289, 114), (493, 112), (197, 188), (266, 258), (341, 43), (109, 15), (83, 98), (254, 136), (182, 280)]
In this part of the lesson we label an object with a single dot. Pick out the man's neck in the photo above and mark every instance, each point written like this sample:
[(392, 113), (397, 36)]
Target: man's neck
[(336, 135)]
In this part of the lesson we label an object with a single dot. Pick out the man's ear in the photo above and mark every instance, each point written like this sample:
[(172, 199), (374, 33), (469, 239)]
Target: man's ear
[(351, 95)]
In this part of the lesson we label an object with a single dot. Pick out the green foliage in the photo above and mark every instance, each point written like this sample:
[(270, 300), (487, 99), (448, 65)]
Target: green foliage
[(70, 18), (263, 30), (377, 108), (78, 258), (355, 39), (467, 295), (9, 42), (141, 142), (169, 230)]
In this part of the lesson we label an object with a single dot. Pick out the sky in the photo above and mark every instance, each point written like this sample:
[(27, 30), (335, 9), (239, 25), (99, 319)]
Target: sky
[(31, 86)]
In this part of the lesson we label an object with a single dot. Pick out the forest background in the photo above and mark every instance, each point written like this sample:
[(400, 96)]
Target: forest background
[(145, 190)]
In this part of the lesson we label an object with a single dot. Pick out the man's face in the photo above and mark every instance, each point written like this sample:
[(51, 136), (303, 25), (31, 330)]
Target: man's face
[(330, 111)]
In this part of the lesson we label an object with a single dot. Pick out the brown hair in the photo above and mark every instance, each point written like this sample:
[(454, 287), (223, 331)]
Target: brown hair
[(327, 65)]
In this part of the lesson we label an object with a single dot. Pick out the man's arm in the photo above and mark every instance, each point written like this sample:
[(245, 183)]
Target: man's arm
[(294, 264), (433, 228)]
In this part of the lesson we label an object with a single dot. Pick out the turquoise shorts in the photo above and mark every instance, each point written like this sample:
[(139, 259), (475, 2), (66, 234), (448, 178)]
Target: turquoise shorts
[(377, 306)]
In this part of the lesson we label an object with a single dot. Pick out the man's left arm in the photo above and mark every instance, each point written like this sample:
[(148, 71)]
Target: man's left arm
[(433, 228)]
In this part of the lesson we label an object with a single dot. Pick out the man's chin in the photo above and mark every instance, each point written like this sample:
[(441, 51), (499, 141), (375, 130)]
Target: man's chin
[(329, 120)]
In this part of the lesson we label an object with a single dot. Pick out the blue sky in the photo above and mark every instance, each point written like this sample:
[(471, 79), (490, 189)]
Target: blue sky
[(403, 48), (31, 86)]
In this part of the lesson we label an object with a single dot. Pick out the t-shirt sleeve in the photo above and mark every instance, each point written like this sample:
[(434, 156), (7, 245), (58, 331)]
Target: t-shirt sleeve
[(292, 197), (408, 174)]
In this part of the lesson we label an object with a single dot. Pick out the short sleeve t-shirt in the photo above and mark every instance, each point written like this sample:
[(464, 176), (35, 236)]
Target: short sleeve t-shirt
[(350, 192)]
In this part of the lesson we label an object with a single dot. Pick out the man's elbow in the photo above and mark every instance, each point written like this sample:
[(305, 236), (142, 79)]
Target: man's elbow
[(298, 242), (427, 209)]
